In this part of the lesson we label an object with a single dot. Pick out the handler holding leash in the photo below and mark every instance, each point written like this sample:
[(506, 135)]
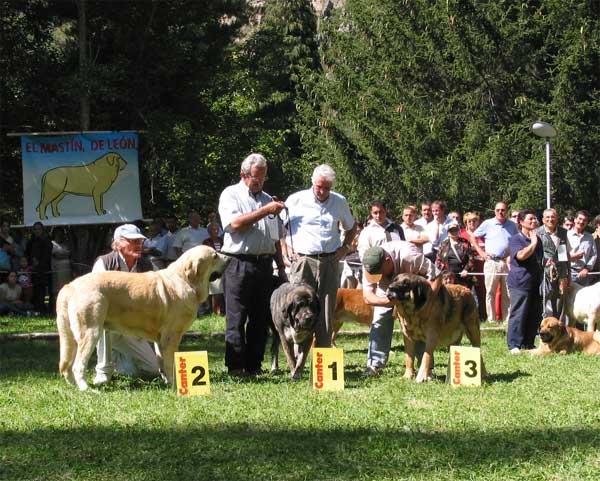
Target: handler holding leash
[(251, 238), (380, 265), (314, 247), (132, 356)]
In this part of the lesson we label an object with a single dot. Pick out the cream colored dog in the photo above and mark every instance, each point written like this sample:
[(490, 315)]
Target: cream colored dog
[(90, 180), (583, 305), (159, 306)]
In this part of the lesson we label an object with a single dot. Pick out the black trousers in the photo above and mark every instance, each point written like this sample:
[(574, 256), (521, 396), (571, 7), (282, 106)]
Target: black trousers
[(248, 286)]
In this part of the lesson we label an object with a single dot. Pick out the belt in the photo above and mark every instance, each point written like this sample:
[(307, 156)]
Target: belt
[(250, 257), (317, 256), (497, 258)]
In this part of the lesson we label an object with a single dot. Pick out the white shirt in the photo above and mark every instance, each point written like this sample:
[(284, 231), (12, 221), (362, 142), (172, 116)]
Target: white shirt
[(189, 237), (169, 253), (582, 243), (315, 224), (10, 294), (374, 234), (158, 242), (412, 233), (405, 262), (259, 239)]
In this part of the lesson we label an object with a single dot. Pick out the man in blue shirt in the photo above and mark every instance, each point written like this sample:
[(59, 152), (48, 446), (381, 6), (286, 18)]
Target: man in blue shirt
[(496, 232)]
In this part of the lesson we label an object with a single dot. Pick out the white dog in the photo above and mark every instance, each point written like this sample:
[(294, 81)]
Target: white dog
[(583, 305), (157, 305)]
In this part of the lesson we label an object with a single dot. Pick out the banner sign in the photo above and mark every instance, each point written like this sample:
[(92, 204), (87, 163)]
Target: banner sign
[(88, 178)]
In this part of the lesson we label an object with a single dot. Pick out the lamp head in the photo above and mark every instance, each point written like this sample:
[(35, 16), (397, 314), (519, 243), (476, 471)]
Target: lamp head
[(543, 129)]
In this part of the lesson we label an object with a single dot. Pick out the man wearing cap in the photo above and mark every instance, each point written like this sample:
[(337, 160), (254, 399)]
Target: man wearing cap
[(380, 265), (251, 239), (314, 247), (496, 233), (132, 356)]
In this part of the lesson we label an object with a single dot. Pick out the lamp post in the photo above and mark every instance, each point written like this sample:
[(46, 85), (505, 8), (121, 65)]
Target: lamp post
[(545, 130)]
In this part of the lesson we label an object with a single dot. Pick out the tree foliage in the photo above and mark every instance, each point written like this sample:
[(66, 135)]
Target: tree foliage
[(430, 100), (408, 99)]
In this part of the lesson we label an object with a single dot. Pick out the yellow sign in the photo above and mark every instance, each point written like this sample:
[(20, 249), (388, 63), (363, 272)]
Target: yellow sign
[(327, 372), (464, 366), (191, 373)]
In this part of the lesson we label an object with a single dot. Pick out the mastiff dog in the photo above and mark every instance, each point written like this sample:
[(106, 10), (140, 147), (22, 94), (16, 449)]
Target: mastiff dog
[(557, 338), (350, 307), (582, 305), (437, 315), (295, 311), (157, 305)]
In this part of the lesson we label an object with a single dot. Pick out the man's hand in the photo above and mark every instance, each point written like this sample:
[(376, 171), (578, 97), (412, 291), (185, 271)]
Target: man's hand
[(275, 206)]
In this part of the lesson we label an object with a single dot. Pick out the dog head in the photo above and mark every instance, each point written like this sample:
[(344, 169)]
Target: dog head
[(198, 266), (115, 160), (551, 330), (409, 289), (302, 310)]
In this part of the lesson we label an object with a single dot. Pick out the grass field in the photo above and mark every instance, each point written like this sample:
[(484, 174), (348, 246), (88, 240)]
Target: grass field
[(535, 419)]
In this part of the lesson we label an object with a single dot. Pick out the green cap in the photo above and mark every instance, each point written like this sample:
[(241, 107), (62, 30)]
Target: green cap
[(372, 261)]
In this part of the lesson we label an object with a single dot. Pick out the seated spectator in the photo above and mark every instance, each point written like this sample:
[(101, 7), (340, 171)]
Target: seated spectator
[(6, 236), (190, 236), (155, 245), (5, 263), (24, 278), (11, 301), (455, 255), (215, 289), (213, 218), (172, 229)]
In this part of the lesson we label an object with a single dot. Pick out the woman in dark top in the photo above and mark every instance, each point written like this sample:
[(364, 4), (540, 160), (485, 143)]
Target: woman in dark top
[(524, 278), (456, 255)]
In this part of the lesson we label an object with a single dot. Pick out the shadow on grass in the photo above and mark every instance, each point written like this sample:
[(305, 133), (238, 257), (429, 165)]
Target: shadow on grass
[(243, 452)]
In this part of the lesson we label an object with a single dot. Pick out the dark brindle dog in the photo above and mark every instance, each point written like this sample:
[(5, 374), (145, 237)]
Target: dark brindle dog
[(295, 312), (439, 316)]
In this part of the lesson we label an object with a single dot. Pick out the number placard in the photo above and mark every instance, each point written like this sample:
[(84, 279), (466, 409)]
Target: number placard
[(327, 373), (191, 373), (464, 366)]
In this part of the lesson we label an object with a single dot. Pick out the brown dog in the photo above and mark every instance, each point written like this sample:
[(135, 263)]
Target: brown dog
[(438, 315), (350, 306), (158, 306), (557, 338)]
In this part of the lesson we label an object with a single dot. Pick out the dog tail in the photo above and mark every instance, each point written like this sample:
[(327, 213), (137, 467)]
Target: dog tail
[(68, 344)]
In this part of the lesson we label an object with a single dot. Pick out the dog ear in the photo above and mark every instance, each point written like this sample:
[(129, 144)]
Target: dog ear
[(420, 292), (289, 310), (316, 305), (110, 159)]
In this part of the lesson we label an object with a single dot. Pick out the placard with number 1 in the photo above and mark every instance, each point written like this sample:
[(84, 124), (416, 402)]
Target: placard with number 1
[(327, 373)]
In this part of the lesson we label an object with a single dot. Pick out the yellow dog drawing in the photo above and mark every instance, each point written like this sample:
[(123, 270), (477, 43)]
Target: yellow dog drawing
[(90, 180)]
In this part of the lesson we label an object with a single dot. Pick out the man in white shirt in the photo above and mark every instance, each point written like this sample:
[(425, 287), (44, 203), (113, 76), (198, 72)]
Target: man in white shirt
[(435, 230), (380, 265), (413, 232), (583, 249), (313, 246), (190, 236), (426, 215), (379, 229), (252, 232)]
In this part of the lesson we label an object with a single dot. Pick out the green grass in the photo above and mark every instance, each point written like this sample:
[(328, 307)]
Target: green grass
[(535, 419)]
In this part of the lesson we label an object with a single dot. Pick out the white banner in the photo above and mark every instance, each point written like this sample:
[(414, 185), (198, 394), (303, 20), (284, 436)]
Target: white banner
[(81, 179)]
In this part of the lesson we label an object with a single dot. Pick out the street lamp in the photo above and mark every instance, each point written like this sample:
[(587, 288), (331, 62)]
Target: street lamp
[(544, 129)]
